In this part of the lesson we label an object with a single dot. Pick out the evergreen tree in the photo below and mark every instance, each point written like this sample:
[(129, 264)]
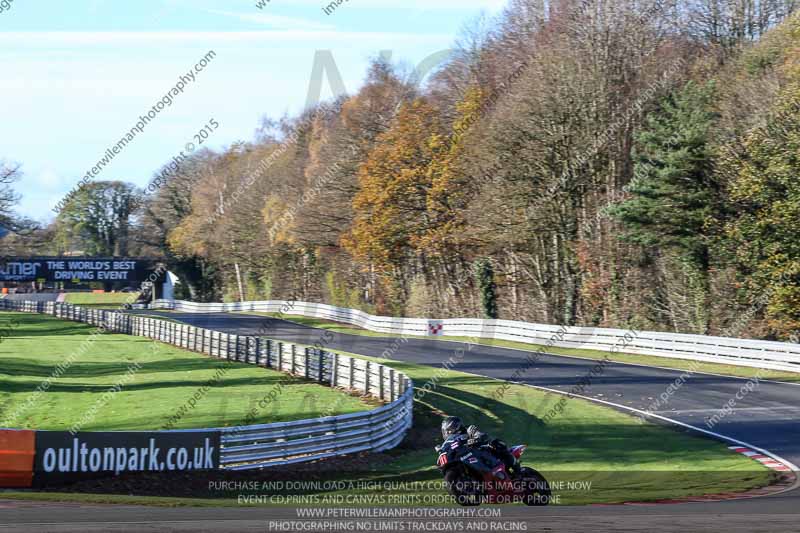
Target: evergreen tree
[(673, 192), (488, 290)]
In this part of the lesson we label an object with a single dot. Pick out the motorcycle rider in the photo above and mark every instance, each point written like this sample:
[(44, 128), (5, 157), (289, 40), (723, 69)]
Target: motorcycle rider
[(452, 425)]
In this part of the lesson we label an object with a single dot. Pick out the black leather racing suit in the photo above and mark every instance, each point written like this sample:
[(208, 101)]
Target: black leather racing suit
[(496, 447)]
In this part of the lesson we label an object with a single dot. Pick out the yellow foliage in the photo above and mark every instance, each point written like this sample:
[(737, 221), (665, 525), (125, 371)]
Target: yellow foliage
[(391, 203), (412, 196), (279, 220)]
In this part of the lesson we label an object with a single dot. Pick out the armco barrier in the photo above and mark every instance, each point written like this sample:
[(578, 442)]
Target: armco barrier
[(259, 446), (725, 350)]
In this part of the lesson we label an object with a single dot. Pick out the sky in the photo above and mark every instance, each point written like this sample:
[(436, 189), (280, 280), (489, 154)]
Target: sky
[(77, 75)]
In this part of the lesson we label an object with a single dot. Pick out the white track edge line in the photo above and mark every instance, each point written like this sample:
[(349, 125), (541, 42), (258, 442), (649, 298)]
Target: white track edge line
[(719, 436)]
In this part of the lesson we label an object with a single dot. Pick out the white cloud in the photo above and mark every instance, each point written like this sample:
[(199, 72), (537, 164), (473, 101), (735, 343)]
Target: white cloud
[(48, 179), (275, 21)]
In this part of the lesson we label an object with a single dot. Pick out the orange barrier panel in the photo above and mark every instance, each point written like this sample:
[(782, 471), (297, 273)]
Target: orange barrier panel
[(98, 291), (17, 450)]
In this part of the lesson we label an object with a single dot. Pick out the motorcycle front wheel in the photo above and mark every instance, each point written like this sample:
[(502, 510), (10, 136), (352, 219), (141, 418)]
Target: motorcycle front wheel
[(536, 488), (463, 488)]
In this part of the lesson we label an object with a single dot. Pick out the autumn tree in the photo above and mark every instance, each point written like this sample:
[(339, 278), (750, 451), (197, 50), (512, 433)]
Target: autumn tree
[(167, 204), (732, 23), (765, 198), (391, 205)]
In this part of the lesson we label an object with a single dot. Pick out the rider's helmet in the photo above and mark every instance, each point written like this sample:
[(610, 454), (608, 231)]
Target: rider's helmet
[(452, 425)]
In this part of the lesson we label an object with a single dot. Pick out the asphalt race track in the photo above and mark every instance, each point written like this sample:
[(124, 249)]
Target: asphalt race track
[(772, 515), (766, 418)]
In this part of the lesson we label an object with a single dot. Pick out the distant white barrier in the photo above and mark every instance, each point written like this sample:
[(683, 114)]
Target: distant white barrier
[(725, 350)]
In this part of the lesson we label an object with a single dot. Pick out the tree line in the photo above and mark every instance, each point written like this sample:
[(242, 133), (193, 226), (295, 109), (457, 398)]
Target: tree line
[(602, 162)]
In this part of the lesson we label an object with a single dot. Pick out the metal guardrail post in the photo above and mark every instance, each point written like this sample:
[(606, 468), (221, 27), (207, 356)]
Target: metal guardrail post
[(352, 373)]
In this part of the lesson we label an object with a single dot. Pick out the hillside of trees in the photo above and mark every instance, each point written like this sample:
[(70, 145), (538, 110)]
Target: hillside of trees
[(596, 162)]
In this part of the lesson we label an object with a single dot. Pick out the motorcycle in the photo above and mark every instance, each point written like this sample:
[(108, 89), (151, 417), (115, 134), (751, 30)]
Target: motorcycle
[(473, 476)]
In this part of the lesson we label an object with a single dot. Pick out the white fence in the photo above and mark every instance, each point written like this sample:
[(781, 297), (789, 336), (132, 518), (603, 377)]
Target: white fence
[(725, 350), (259, 446)]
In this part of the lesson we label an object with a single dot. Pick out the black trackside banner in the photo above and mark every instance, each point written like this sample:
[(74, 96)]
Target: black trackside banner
[(77, 269), (63, 457)]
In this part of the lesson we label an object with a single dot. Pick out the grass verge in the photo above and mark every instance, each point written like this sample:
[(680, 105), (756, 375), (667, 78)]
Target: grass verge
[(107, 300), (156, 380)]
